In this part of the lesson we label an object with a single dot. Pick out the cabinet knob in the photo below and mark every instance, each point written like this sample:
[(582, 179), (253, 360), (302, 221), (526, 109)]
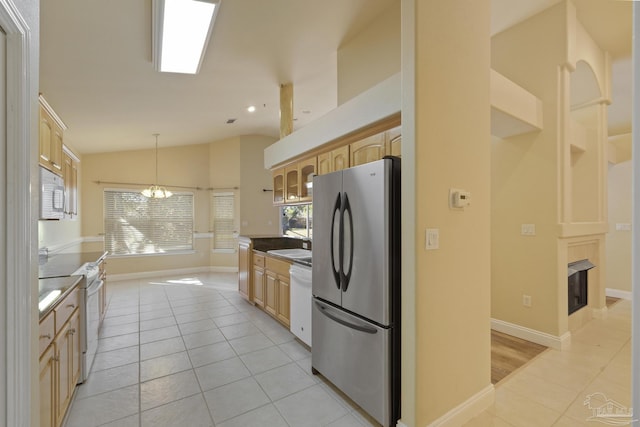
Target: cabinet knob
[(71, 305), (55, 358), (72, 331), (46, 336)]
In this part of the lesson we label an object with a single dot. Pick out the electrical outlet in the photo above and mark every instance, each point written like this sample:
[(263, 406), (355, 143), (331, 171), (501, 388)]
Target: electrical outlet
[(528, 229), (526, 300)]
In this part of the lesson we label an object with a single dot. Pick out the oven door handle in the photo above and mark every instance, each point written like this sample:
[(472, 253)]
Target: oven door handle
[(95, 287)]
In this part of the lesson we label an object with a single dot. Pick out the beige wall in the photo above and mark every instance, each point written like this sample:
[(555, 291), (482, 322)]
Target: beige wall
[(619, 241), (234, 164), (371, 56), (452, 147), (540, 178), (258, 216)]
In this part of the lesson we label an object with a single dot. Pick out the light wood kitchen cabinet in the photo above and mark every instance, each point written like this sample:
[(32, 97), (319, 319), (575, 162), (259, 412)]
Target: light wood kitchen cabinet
[(306, 171), (70, 177), (244, 269), (271, 293), (333, 160), (292, 184), (257, 279), (60, 361), (50, 138), (289, 183), (368, 149), (277, 298), (394, 142), (278, 186), (283, 312), (47, 388)]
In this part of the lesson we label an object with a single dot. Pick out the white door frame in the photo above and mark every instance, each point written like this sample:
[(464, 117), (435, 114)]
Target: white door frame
[(15, 244)]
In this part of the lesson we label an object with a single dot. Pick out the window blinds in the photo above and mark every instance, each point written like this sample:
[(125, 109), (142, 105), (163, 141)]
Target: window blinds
[(135, 224), (224, 230)]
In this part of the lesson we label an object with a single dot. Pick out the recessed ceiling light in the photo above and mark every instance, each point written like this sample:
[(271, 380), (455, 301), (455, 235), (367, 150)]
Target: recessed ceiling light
[(181, 33), (251, 108)]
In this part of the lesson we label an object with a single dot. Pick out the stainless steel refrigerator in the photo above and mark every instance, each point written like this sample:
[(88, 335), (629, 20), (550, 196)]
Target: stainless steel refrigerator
[(356, 284)]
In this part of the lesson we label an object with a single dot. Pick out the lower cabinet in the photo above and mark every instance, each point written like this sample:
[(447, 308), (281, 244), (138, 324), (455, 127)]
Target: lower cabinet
[(269, 287), (59, 370), (244, 269), (47, 385), (277, 290)]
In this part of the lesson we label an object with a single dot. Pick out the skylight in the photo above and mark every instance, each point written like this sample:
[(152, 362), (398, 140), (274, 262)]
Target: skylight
[(181, 33)]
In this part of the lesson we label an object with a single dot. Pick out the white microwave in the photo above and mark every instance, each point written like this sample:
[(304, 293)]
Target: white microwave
[(51, 195)]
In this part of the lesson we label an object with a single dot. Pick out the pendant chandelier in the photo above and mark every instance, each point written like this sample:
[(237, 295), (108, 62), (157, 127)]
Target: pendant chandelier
[(155, 191)]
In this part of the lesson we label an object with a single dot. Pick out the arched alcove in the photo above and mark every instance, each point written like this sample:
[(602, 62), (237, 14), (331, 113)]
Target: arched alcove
[(584, 85)]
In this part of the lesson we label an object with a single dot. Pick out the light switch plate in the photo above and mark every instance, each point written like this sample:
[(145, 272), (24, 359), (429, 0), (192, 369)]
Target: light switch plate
[(528, 229), (432, 239)]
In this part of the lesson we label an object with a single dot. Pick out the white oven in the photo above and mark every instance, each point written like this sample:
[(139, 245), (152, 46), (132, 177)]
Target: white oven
[(89, 315)]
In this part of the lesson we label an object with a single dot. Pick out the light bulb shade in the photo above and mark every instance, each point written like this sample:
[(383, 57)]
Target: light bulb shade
[(156, 192)]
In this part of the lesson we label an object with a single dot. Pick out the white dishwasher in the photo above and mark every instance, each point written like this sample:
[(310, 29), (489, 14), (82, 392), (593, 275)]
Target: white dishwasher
[(301, 302)]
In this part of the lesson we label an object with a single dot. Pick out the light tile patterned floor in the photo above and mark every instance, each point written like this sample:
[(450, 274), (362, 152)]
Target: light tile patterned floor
[(189, 352), (553, 388)]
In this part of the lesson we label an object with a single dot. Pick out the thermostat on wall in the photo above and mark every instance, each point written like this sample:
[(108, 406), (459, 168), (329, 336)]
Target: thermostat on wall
[(459, 198)]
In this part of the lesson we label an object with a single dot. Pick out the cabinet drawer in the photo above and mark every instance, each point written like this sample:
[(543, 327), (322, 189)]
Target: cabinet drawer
[(258, 259), (47, 332), (278, 266), (66, 307)]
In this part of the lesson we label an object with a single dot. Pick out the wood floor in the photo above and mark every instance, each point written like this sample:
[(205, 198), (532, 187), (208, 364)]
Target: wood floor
[(508, 353)]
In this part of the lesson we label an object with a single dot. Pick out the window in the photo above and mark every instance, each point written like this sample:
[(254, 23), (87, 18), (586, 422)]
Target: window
[(225, 235), (297, 221), (135, 224)]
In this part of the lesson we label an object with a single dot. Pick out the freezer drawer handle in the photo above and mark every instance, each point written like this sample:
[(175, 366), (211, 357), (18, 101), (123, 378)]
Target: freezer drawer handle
[(361, 328)]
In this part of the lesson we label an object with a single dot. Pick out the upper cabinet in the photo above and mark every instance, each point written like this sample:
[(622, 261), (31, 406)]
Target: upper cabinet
[(50, 142), (70, 177), (292, 183), (58, 158)]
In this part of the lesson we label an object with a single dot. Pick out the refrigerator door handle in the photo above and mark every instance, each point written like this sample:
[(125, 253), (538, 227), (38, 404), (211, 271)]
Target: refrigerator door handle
[(347, 242), (336, 263), (336, 317)]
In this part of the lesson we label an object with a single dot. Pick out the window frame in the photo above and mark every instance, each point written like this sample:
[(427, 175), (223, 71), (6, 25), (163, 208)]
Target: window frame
[(170, 252)]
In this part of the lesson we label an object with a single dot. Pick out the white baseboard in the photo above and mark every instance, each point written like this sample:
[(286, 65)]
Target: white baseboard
[(174, 272), (617, 293), (542, 338), (468, 409)]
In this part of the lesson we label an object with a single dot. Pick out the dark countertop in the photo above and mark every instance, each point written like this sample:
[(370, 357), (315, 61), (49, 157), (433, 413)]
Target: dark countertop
[(54, 290), (61, 265), (267, 243)]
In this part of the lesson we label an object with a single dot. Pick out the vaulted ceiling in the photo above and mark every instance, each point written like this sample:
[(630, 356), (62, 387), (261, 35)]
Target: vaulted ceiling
[(97, 73)]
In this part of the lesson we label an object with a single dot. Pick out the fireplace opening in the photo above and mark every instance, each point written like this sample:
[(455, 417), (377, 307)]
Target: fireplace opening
[(578, 278)]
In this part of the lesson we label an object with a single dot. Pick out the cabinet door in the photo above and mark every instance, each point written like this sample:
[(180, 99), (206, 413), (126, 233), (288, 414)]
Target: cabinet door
[(394, 142), (271, 290), (306, 171), (244, 268), (324, 163), (258, 286), (64, 349), (73, 197), (292, 184), (278, 186), (47, 388), (284, 307), (76, 353), (56, 148), (340, 159), (67, 166), (46, 133), (368, 150)]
